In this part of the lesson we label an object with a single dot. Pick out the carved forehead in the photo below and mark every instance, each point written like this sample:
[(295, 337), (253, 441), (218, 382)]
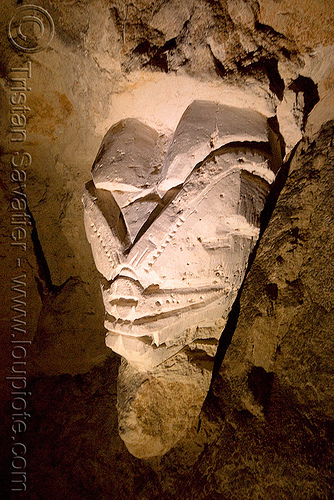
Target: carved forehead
[(126, 154), (128, 160)]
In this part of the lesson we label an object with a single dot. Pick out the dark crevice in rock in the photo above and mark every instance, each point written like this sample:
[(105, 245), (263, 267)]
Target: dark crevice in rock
[(287, 53), (219, 67), (261, 68), (158, 61), (169, 45), (199, 358), (268, 67), (227, 334), (280, 143), (159, 58), (44, 283), (269, 31), (310, 91), (260, 383), (272, 291), (150, 55), (3, 70), (276, 83), (115, 16), (274, 193), (143, 47)]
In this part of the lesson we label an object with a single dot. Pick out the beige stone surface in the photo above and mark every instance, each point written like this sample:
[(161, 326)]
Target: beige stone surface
[(307, 22), (158, 408)]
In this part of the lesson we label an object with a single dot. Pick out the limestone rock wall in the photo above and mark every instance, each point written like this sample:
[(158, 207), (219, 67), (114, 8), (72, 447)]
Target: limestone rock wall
[(266, 428)]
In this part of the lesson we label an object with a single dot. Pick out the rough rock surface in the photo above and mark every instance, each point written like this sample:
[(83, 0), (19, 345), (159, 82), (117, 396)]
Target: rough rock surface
[(266, 429), (156, 409)]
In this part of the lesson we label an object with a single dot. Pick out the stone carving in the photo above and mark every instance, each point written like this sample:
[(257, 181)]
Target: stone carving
[(171, 223)]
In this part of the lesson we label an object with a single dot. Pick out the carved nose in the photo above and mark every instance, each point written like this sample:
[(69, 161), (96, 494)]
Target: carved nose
[(123, 287), (123, 299)]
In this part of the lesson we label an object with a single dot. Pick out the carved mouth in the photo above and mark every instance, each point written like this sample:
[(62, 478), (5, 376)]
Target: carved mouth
[(162, 303), (153, 318), (159, 326)]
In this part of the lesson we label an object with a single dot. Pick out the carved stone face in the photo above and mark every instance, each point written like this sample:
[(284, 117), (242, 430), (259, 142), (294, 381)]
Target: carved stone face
[(172, 224)]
